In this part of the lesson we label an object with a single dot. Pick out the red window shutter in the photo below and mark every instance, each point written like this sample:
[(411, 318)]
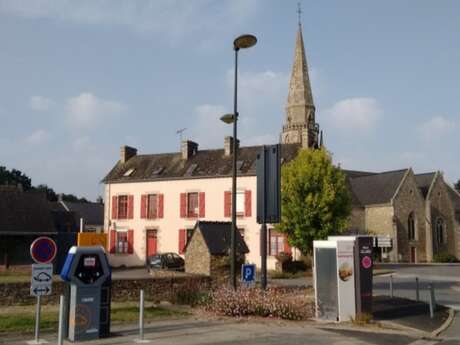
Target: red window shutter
[(130, 206), (227, 203), (247, 203), (114, 207), (160, 205), (130, 241), (183, 205), (202, 205), (113, 240), (143, 206), (182, 235), (287, 248)]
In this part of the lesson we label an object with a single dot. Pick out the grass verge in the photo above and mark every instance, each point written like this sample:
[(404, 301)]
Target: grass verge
[(22, 319)]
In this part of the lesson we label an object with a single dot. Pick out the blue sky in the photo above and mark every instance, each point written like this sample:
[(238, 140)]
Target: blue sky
[(81, 78)]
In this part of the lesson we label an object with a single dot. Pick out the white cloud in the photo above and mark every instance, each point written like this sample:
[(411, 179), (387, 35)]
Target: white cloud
[(354, 115), (170, 18), (207, 129), (260, 91), (436, 128), (40, 103), (86, 110), (37, 137)]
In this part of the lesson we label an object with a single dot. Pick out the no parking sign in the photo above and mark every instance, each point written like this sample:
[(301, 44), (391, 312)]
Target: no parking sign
[(43, 250)]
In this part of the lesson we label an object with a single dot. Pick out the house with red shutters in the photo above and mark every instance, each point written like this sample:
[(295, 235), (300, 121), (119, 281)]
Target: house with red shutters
[(154, 201)]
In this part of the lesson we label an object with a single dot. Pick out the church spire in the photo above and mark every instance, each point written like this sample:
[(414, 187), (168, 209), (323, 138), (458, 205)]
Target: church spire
[(300, 125)]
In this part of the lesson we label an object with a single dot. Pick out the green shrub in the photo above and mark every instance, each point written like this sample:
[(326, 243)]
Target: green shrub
[(444, 257)]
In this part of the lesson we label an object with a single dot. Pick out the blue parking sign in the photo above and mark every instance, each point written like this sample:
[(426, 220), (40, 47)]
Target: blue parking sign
[(248, 273)]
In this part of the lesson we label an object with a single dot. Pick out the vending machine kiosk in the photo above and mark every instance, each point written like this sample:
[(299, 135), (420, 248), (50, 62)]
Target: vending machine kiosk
[(88, 296)]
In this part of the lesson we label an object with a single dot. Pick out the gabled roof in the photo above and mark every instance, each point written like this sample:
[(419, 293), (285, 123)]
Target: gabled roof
[(91, 212), (454, 196), (217, 236), (205, 163), (377, 188), (25, 212), (424, 182)]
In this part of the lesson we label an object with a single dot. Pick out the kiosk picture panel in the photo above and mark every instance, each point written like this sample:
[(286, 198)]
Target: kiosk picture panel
[(346, 280), (325, 261)]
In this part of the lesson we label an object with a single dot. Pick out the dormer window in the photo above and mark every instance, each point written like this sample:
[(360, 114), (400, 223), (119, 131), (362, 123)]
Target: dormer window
[(128, 172)]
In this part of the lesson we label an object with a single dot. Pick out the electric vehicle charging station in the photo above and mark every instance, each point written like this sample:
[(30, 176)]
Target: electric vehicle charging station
[(88, 294)]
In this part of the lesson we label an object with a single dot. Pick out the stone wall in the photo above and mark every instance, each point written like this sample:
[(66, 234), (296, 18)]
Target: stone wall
[(197, 256), (156, 289), (379, 220), (410, 200), (356, 221), (441, 207)]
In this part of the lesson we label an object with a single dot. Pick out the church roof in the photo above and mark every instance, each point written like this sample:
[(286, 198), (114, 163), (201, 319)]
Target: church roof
[(424, 182), (299, 86), (376, 188), (203, 164)]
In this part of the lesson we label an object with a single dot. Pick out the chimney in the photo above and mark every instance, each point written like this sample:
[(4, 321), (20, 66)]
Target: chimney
[(188, 149), (228, 145), (126, 153)]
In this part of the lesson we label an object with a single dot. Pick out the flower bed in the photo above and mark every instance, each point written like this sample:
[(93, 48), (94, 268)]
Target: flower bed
[(288, 304)]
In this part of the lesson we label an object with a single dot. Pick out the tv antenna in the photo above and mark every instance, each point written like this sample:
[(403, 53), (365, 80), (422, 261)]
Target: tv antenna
[(180, 132)]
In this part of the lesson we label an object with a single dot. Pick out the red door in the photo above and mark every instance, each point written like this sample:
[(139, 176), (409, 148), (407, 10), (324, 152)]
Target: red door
[(412, 254), (151, 242)]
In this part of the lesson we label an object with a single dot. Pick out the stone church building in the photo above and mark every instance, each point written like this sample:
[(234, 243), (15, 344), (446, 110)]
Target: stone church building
[(153, 201)]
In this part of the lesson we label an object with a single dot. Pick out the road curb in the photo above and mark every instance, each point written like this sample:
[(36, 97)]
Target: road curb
[(445, 325)]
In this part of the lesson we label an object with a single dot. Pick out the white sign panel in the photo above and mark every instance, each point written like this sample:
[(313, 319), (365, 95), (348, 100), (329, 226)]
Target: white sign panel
[(346, 280), (42, 279)]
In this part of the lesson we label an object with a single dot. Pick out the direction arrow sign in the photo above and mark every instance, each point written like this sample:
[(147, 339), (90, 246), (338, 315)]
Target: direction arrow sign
[(42, 279)]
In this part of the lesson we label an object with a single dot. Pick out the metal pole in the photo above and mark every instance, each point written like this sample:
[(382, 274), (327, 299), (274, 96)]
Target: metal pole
[(417, 291), (263, 249), (61, 321), (432, 301), (391, 286), (233, 230), (141, 316), (37, 320)]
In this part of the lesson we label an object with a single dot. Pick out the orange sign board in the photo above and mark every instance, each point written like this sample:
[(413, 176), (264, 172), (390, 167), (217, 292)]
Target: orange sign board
[(92, 239)]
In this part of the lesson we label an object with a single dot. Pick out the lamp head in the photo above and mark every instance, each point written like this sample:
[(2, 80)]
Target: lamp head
[(228, 118), (244, 41)]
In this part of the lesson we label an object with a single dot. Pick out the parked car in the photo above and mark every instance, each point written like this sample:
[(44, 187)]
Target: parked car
[(166, 261)]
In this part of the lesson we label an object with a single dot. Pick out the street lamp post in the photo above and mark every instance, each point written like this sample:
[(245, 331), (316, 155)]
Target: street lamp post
[(241, 42)]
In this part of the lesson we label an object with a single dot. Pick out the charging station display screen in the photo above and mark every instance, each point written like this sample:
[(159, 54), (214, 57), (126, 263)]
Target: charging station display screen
[(89, 269)]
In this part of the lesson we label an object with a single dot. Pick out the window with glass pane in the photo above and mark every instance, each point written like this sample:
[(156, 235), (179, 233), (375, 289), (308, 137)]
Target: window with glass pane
[(411, 226), (122, 242), (192, 204), (240, 203), (152, 206), (276, 243), (440, 230), (123, 207)]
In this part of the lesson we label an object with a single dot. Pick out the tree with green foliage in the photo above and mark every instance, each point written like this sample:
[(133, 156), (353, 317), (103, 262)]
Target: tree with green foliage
[(14, 177), (315, 200)]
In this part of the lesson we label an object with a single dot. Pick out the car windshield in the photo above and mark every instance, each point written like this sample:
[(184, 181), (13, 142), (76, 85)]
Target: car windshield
[(155, 260), (176, 256)]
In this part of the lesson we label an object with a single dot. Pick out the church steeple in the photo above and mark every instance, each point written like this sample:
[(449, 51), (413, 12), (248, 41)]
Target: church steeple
[(300, 125)]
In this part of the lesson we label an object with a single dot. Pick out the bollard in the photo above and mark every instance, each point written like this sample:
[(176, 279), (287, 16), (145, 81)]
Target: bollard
[(432, 300), (391, 286), (141, 319), (141, 316), (417, 291), (61, 321)]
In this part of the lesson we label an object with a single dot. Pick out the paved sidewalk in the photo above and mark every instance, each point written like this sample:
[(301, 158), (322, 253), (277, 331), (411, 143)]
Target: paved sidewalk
[(194, 332)]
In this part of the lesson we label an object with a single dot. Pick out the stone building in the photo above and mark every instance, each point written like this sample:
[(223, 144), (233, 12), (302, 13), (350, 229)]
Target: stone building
[(418, 212), (207, 251)]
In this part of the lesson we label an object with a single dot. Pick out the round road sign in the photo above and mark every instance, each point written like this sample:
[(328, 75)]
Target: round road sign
[(366, 262), (43, 250)]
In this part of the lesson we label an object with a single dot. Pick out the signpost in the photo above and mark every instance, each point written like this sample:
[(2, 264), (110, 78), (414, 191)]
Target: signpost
[(43, 251), (248, 273), (268, 170)]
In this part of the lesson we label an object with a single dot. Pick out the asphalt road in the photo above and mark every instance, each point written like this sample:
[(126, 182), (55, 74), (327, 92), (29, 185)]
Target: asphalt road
[(446, 281)]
